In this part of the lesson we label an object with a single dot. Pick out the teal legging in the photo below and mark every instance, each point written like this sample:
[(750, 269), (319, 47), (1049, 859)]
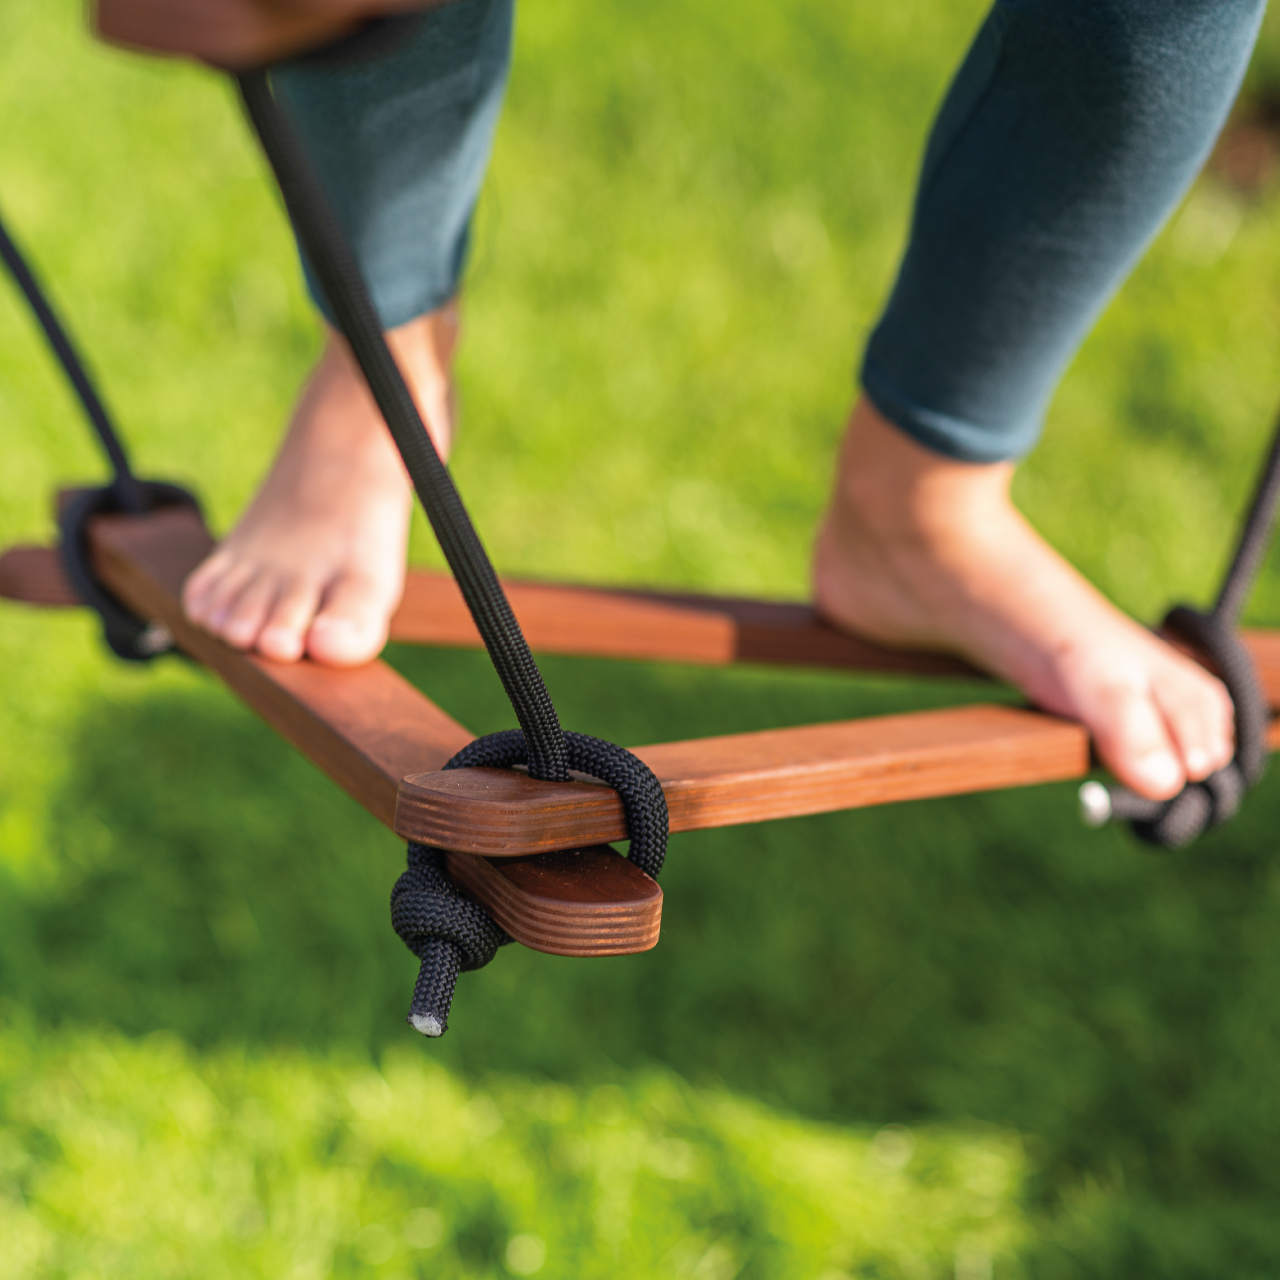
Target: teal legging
[(1070, 131)]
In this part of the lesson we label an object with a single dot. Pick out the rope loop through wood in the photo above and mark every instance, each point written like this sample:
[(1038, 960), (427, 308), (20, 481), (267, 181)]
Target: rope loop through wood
[(451, 934)]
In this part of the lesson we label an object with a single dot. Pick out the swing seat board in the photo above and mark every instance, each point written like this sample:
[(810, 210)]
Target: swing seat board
[(598, 622), (753, 777), (656, 626), (366, 728)]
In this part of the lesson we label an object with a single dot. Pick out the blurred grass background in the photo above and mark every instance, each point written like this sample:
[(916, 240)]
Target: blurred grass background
[(961, 1038)]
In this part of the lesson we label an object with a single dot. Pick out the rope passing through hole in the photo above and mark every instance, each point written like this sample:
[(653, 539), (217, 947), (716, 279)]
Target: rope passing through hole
[(435, 921), (449, 933)]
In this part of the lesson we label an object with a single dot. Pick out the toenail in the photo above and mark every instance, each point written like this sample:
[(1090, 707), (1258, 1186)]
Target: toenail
[(1197, 761), (1159, 770)]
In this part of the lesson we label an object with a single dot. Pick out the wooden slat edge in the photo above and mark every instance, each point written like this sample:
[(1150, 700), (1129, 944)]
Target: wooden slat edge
[(716, 782), (34, 575), (656, 626), (365, 728), (533, 900)]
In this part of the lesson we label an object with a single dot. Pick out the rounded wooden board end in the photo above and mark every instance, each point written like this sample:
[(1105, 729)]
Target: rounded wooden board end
[(573, 902)]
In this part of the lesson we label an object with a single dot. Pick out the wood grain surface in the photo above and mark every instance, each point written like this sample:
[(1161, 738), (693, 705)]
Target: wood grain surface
[(580, 902), (384, 742), (753, 777), (655, 626), (34, 575), (596, 622), (366, 728)]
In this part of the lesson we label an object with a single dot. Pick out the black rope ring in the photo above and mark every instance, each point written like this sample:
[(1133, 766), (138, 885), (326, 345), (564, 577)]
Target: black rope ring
[(128, 636), (643, 803), (1170, 824), (449, 933)]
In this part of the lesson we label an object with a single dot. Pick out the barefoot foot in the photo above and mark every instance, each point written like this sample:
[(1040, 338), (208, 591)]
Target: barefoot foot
[(920, 551), (315, 565)]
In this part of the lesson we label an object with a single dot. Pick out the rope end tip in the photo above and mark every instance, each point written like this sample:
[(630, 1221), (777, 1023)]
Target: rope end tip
[(1095, 804), (426, 1024)]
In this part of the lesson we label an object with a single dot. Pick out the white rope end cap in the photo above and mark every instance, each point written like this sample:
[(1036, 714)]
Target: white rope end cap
[(1095, 804), (426, 1024)]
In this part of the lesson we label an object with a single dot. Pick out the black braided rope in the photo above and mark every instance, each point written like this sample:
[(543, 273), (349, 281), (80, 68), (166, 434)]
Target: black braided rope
[(448, 932), (126, 635), (1171, 824), (643, 804), (129, 491), (335, 267)]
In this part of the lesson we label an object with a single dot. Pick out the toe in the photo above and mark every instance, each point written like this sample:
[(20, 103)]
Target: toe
[(211, 606), (1133, 742), (243, 619), (284, 632), (207, 584), (1199, 717), (351, 627)]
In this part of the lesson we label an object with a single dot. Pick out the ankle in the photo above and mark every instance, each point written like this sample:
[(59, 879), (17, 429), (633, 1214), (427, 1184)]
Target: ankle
[(891, 489), (423, 350)]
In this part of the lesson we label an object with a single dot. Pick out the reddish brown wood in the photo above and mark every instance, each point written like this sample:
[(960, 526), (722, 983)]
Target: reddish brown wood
[(34, 575), (707, 630), (579, 902), (596, 622), (752, 777), (366, 728), (671, 627)]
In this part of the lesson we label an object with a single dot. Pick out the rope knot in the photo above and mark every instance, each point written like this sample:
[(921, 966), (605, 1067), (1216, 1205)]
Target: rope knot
[(450, 933), (1171, 824)]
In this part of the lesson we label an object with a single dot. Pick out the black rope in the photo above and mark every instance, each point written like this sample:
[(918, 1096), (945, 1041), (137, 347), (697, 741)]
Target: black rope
[(1170, 824), (129, 489), (127, 635), (338, 272), (448, 932)]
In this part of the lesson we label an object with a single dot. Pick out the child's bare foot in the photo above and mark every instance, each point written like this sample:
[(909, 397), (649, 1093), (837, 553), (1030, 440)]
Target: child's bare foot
[(316, 563), (920, 551)]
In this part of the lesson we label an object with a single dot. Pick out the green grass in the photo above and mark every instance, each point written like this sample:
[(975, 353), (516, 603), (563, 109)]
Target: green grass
[(684, 243)]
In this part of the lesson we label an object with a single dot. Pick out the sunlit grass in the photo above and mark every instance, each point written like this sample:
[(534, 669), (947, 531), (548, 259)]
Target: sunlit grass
[(694, 214)]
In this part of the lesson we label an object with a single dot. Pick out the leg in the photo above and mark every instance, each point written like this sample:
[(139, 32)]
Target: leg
[(316, 564), (1069, 133)]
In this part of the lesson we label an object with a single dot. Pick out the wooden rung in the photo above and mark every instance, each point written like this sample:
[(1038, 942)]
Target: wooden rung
[(653, 626), (384, 742), (753, 777), (34, 575), (366, 728), (597, 622)]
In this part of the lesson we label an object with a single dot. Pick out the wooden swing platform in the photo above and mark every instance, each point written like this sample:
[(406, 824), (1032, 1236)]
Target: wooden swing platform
[(531, 852)]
